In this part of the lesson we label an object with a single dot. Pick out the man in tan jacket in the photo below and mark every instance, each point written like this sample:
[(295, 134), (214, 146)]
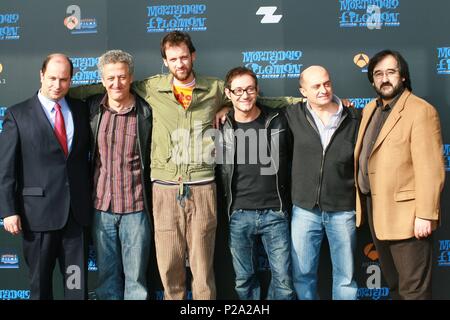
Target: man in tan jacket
[(399, 174)]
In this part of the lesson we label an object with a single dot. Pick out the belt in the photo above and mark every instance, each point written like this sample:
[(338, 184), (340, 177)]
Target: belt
[(167, 183)]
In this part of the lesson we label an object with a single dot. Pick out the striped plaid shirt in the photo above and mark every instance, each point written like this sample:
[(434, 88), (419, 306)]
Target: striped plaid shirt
[(118, 185)]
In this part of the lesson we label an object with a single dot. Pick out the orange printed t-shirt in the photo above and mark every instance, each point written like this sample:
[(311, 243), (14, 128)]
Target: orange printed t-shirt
[(183, 93)]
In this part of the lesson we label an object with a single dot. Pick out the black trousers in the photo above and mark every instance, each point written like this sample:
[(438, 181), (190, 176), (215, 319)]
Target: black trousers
[(43, 249), (405, 264)]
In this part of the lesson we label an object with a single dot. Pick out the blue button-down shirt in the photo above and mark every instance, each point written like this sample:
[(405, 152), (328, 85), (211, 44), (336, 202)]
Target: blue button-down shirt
[(327, 131), (49, 109)]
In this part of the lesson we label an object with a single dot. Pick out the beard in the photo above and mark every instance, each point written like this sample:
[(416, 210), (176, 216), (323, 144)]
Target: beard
[(182, 76), (395, 91)]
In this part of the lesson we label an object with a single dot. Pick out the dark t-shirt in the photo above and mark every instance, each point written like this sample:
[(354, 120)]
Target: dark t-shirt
[(251, 189)]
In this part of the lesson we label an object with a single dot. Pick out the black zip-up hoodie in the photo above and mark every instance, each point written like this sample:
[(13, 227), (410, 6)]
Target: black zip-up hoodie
[(325, 179), (276, 123)]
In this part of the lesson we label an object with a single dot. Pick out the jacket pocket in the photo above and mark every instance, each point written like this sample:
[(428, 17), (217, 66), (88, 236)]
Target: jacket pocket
[(33, 191), (405, 195), (160, 150)]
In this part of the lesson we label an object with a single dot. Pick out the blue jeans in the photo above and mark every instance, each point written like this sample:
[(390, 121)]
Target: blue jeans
[(122, 242), (273, 228), (308, 228)]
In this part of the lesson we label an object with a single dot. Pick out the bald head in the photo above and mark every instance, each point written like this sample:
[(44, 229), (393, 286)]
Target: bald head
[(57, 57), (56, 74), (311, 72), (315, 85)]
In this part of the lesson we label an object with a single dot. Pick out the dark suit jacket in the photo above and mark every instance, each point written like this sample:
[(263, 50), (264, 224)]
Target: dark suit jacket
[(36, 180), (144, 133)]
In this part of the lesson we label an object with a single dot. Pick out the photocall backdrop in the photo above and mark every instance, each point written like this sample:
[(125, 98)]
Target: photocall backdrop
[(275, 38)]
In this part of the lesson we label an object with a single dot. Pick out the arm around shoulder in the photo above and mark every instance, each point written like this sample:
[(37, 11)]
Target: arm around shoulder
[(279, 102), (85, 91)]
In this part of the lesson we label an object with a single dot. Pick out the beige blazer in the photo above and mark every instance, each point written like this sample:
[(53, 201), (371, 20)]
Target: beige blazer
[(406, 168)]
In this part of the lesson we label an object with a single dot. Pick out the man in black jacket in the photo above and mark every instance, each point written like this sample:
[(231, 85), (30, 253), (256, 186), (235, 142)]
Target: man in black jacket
[(323, 188), (254, 161), (121, 125), (45, 183)]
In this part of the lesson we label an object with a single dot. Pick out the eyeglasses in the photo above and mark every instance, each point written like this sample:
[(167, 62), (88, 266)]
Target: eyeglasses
[(378, 75), (239, 91)]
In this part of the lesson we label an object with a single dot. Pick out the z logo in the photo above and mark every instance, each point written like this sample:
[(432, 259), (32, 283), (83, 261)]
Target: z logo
[(268, 15)]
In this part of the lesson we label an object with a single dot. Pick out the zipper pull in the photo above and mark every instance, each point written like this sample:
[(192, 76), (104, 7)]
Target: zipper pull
[(180, 187)]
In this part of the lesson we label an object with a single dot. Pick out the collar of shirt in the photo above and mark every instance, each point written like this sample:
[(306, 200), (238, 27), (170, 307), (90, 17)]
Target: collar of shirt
[(184, 85), (104, 104), (49, 104), (338, 101), (334, 118), (389, 105)]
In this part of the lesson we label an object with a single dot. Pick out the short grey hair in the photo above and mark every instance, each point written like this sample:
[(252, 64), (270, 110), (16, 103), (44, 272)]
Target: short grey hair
[(115, 56)]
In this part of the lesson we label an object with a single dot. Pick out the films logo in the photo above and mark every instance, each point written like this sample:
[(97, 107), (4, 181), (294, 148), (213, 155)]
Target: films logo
[(85, 70), (372, 14), (360, 103), (443, 65), (9, 260), (361, 60), (446, 150), (166, 18), (78, 25), (444, 253), (9, 30), (373, 289), (14, 294), (274, 64), (2, 115)]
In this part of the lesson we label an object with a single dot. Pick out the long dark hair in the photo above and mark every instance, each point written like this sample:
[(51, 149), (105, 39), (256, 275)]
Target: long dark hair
[(401, 62)]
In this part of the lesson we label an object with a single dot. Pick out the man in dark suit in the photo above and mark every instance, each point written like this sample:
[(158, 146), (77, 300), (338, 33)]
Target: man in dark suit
[(45, 182)]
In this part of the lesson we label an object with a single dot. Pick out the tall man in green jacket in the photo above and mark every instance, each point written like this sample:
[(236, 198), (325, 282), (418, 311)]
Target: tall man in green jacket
[(182, 169)]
